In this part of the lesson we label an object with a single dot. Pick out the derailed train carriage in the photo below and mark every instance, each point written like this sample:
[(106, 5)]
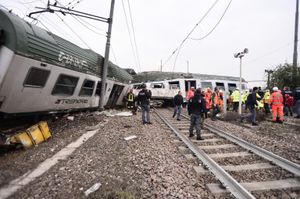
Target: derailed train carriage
[(165, 85), (41, 72)]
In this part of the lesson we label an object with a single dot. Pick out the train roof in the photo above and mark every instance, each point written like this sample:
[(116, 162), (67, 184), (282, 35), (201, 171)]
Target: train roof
[(34, 42), (160, 76)]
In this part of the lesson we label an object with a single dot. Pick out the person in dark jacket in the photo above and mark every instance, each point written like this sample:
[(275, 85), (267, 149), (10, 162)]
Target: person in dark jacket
[(178, 101), (251, 103), (196, 108), (143, 100)]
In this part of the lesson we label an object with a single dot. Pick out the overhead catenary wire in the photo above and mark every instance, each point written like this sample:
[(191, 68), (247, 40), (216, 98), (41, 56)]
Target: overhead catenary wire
[(202, 18), (215, 25), (134, 37), (129, 33)]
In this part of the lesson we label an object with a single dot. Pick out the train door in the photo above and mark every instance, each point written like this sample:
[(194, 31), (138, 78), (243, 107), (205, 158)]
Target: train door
[(114, 95), (189, 84)]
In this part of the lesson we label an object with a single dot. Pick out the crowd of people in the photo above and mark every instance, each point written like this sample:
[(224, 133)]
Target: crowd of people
[(201, 102)]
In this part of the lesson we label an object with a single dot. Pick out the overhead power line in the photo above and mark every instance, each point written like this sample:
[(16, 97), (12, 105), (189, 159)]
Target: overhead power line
[(202, 18), (215, 25), (130, 36), (134, 37)]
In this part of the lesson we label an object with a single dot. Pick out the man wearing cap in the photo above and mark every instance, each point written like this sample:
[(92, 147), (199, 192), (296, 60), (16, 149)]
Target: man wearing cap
[(277, 105), (143, 100)]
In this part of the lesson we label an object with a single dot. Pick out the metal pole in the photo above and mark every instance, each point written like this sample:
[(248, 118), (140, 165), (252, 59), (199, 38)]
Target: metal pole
[(106, 57), (240, 100), (225, 101), (295, 56)]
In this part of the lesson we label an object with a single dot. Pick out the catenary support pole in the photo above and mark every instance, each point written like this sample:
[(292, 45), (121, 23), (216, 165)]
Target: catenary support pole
[(240, 89), (106, 58)]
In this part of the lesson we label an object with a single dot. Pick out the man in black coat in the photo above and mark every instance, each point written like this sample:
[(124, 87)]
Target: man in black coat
[(178, 101), (251, 103), (143, 100), (196, 107)]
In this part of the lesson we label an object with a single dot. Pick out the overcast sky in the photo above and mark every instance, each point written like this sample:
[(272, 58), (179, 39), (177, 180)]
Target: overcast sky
[(265, 27)]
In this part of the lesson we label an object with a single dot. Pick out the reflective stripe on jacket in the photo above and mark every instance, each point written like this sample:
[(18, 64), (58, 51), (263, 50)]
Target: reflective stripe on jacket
[(266, 98), (235, 96), (277, 99), (130, 97)]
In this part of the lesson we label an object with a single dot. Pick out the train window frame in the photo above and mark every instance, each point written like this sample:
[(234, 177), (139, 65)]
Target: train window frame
[(30, 74), (220, 87), (85, 89), (206, 83), (174, 85), (99, 83), (230, 86), (159, 85), (137, 86), (68, 86)]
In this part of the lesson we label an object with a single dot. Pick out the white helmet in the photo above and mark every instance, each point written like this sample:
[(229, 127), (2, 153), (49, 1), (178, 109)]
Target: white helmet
[(275, 88)]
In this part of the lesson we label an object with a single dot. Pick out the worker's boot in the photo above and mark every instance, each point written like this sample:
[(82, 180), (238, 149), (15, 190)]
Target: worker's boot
[(199, 135), (191, 134)]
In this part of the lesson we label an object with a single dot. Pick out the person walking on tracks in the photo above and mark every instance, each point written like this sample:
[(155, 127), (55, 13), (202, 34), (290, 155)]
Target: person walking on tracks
[(143, 100), (196, 107), (178, 101)]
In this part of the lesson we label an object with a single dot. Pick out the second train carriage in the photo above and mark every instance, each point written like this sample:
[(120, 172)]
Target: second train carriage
[(42, 72), (165, 85)]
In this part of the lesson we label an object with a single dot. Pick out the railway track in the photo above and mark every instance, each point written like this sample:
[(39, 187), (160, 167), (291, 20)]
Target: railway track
[(243, 169)]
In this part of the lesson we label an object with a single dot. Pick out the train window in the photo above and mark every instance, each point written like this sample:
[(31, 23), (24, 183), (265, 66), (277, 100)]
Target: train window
[(137, 86), (65, 85), (231, 87), (98, 89), (87, 88), (174, 85), (220, 86), (205, 85), (36, 78), (157, 85)]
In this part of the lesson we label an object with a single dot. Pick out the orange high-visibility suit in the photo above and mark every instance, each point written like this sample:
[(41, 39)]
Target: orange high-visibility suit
[(207, 97), (190, 93), (277, 105), (221, 100)]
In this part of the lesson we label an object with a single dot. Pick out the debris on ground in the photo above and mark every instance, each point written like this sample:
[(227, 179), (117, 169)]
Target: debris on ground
[(70, 118), (130, 137), (32, 136), (92, 189)]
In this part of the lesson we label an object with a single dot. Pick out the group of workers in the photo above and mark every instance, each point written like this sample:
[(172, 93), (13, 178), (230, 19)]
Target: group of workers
[(200, 102)]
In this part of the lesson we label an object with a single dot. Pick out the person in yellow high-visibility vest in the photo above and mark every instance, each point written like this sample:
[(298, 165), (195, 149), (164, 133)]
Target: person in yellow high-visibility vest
[(266, 100), (235, 96), (130, 99)]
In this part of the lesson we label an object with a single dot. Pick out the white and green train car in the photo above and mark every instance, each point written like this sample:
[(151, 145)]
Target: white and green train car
[(41, 72)]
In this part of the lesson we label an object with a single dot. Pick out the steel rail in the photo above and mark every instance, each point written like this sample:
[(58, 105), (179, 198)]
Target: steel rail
[(280, 161), (228, 182)]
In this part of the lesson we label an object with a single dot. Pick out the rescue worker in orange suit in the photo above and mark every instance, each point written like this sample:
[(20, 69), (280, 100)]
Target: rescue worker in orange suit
[(215, 103), (190, 93), (277, 105), (221, 101), (208, 102), (130, 99)]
